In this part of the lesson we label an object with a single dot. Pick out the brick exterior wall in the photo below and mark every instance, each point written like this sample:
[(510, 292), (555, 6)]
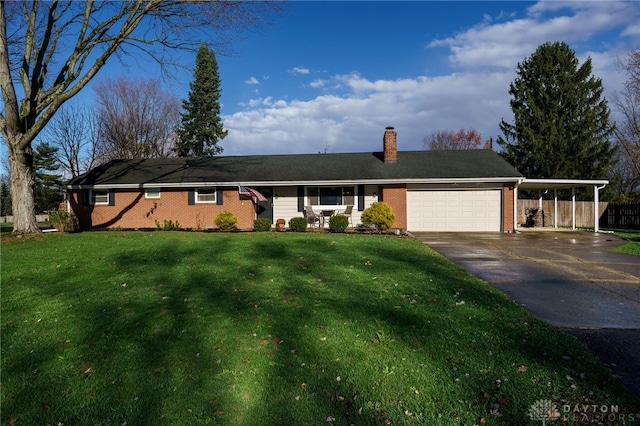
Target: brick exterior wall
[(133, 211), (396, 197), (508, 195)]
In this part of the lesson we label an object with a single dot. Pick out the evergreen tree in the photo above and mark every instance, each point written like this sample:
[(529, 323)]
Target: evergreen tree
[(5, 198), (47, 183), (201, 124), (561, 121)]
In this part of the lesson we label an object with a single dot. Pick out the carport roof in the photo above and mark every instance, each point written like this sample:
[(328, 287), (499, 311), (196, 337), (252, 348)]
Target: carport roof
[(543, 184)]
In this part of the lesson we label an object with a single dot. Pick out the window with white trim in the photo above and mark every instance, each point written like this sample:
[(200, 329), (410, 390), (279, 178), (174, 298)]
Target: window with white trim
[(152, 193), (331, 195), (99, 197), (206, 195)]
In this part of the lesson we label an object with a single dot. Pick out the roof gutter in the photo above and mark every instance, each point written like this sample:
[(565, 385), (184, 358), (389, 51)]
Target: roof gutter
[(333, 182)]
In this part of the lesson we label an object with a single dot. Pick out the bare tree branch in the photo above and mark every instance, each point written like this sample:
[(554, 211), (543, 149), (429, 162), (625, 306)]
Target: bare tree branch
[(52, 50), (74, 132), (135, 119)]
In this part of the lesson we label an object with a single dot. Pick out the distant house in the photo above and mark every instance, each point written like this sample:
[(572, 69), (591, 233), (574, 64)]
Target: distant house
[(470, 190)]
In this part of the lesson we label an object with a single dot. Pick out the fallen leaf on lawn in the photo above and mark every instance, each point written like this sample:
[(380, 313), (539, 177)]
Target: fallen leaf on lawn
[(87, 372), (495, 410), (523, 368)]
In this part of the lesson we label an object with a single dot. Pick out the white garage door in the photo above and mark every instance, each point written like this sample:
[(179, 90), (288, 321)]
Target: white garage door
[(454, 210)]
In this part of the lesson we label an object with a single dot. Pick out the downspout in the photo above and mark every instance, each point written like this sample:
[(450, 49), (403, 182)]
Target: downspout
[(596, 207)]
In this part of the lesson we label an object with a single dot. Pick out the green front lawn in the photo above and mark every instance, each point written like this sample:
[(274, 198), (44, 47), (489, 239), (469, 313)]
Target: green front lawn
[(633, 241), (177, 328)]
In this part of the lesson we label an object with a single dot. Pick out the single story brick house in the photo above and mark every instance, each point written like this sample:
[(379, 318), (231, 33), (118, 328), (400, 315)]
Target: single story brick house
[(472, 190)]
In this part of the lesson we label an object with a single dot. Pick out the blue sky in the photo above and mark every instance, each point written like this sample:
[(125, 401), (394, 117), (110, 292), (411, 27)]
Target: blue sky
[(330, 76)]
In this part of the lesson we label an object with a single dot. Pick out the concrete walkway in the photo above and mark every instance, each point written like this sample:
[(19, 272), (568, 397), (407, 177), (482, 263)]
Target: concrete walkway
[(570, 279)]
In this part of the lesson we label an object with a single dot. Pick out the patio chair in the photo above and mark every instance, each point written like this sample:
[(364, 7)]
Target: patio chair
[(314, 220), (348, 212)]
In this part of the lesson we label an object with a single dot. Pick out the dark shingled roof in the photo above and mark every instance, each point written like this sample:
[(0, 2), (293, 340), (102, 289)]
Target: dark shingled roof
[(296, 168)]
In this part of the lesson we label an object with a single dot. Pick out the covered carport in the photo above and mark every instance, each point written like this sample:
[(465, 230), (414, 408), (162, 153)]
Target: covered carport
[(545, 185)]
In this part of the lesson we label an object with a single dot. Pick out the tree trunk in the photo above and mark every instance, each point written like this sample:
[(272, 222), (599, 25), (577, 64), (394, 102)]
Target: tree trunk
[(24, 218)]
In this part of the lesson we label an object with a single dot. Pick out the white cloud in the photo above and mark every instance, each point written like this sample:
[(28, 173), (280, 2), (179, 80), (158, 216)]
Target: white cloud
[(350, 111), (318, 83), (356, 122), (252, 81), (505, 44), (299, 71)]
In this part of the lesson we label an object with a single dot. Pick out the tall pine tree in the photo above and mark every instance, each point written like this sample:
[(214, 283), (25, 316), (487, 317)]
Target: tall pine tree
[(5, 197), (561, 121), (201, 128), (47, 192)]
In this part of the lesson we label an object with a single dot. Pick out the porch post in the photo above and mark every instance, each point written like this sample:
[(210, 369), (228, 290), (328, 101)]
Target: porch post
[(555, 208), (515, 208), (540, 210), (596, 208), (573, 209)]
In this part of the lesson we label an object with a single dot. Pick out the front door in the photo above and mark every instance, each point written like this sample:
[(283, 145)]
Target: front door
[(265, 208)]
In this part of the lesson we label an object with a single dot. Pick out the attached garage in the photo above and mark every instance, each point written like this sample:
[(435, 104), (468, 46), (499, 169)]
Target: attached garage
[(454, 210)]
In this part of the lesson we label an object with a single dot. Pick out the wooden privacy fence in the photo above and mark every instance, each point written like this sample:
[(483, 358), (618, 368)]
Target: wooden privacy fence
[(621, 215), (584, 213)]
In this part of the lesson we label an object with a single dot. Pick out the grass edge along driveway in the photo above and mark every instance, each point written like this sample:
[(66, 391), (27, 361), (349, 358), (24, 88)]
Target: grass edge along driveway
[(173, 328)]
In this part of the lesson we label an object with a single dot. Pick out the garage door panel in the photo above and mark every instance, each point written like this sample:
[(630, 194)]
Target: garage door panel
[(475, 210)]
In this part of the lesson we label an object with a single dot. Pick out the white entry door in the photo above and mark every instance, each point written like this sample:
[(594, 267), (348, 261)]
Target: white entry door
[(453, 211)]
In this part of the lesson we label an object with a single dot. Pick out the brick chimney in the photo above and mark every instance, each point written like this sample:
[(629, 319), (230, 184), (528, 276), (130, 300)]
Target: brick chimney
[(390, 145)]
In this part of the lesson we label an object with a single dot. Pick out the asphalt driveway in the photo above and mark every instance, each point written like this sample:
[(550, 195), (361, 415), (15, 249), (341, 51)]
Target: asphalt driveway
[(570, 279)]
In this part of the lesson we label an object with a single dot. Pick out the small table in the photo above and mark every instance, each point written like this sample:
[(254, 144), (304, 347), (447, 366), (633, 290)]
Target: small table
[(325, 214)]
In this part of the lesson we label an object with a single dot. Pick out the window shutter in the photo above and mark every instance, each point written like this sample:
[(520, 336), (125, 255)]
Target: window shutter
[(360, 198), (219, 198), (191, 197), (112, 198), (85, 197), (300, 198)]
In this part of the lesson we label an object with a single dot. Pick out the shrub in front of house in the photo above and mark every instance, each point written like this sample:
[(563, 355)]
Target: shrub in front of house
[(262, 224), (63, 221), (298, 224), (168, 225), (338, 223), (378, 215), (226, 221)]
